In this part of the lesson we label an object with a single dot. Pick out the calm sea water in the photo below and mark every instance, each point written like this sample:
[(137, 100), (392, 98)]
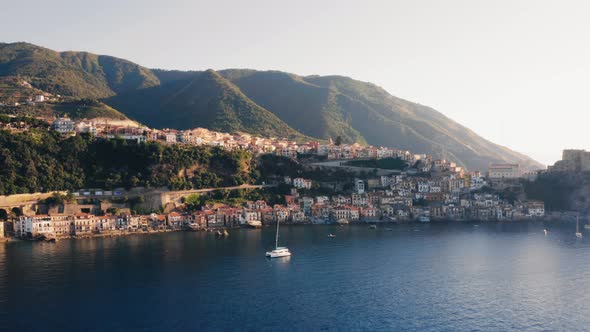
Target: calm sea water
[(493, 277)]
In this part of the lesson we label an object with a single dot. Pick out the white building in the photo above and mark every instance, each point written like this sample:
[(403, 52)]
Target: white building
[(302, 183), (33, 226), (171, 137), (504, 171), (359, 186), (535, 209), (86, 127), (359, 199), (64, 125), (423, 187), (476, 181), (39, 98)]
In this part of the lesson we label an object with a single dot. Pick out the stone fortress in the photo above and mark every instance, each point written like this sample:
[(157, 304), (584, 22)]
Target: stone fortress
[(572, 161)]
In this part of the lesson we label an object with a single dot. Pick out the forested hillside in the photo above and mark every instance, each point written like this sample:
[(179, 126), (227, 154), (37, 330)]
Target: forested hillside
[(40, 161)]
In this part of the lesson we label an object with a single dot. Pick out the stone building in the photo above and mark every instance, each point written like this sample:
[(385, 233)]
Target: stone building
[(572, 161)]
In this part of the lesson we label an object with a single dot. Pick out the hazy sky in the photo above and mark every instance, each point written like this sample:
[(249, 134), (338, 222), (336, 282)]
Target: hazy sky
[(516, 72)]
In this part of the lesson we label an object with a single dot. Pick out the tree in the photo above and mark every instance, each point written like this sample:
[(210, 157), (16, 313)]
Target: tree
[(192, 202), (338, 140)]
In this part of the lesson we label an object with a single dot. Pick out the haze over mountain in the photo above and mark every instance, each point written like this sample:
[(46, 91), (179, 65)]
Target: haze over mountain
[(260, 102)]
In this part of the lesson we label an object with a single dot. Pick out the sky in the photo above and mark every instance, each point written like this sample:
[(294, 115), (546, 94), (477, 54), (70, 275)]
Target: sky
[(516, 71)]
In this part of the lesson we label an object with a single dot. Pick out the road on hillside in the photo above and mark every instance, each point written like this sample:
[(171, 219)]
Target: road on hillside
[(340, 164), (177, 192)]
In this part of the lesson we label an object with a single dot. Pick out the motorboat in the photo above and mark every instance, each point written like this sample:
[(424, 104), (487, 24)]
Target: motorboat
[(373, 226), (424, 219), (225, 233), (331, 235), (194, 227), (255, 223)]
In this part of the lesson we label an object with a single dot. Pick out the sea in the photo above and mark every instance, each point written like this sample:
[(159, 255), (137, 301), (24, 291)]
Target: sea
[(431, 277)]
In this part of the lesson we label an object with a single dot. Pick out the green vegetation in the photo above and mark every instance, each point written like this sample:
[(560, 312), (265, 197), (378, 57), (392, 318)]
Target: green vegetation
[(206, 100), (76, 74), (561, 191), (272, 167), (324, 107), (271, 195), (58, 199), (264, 103), (73, 108), (384, 163), (39, 160), (32, 122), (86, 109), (332, 106)]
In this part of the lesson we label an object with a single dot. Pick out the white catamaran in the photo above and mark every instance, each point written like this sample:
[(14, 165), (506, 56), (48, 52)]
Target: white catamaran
[(278, 251)]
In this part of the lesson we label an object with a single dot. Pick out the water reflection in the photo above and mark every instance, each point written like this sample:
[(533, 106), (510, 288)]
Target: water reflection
[(441, 277)]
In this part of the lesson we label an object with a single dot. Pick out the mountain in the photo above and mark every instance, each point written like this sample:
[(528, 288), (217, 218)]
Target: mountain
[(75, 74), (330, 106), (12, 90), (205, 99), (260, 102)]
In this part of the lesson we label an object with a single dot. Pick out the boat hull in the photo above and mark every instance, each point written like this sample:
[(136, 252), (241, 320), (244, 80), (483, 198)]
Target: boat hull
[(254, 224), (275, 255), (280, 252)]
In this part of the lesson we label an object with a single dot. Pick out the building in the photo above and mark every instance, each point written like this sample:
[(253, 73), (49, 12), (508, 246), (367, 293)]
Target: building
[(504, 171), (572, 161), (359, 186), (170, 137), (39, 98), (359, 199), (302, 183), (1, 229), (535, 209), (64, 125), (32, 226)]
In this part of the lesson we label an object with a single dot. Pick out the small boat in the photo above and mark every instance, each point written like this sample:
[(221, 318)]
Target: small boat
[(342, 221), (546, 231), (331, 235), (587, 226), (424, 219), (578, 233), (278, 251), (373, 227), (255, 223), (225, 233), (389, 229)]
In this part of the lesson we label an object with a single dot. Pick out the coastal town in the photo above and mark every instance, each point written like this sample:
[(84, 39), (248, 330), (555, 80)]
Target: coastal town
[(427, 190)]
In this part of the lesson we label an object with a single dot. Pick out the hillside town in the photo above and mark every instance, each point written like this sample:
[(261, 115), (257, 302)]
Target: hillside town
[(202, 136), (440, 192), (427, 190)]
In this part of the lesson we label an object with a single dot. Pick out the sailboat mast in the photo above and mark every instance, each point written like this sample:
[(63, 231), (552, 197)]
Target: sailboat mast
[(578, 223), (277, 236)]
